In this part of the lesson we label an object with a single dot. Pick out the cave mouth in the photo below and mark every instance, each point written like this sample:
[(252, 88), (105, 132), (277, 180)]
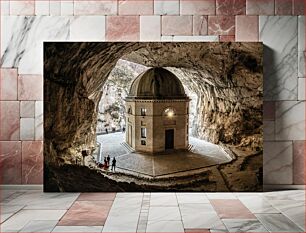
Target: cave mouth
[(226, 79), (112, 132)]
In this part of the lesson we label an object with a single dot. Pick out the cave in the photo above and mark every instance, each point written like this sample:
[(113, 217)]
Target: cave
[(226, 77)]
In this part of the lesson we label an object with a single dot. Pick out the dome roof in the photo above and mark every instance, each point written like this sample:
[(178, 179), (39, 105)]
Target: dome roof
[(157, 83)]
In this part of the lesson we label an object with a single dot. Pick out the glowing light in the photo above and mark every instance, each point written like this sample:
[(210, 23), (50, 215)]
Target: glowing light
[(170, 113)]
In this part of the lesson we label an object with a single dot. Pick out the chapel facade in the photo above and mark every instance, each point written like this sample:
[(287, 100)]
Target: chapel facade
[(157, 111)]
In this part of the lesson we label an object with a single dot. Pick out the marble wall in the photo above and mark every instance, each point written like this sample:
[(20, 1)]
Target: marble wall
[(279, 24)]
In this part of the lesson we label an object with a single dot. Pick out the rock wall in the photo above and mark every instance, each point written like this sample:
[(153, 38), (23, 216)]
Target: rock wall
[(227, 78)]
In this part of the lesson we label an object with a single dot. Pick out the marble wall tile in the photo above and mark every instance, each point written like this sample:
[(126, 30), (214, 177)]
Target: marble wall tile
[(221, 25), (166, 38), (177, 25), (10, 161), (39, 115), (150, 28), (269, 130), (290, 120), (9, 120), (298, 7), (166, 7), (299, 162), (30, 87), (277, 163), (66, 7), (225, 38), (5, 7), (283, 7), (301, 89), (279, 35), (260, 7), (200, 25), (22, 7), (27, 129), (269, 110), (230, 7), (301, 46), (196, 38), (95, 7), (8, 84), (122, 28), (32, 162), (135, 7), (87, 28), (27, 109), (22, 40), (203, 7), (42, 7), (247, 28), (55, 7)]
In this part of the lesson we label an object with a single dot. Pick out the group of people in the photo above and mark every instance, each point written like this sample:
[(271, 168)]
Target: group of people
[(106, 163)]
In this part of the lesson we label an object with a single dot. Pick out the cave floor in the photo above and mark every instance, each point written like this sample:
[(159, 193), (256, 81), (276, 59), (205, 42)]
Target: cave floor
[(203, 154)]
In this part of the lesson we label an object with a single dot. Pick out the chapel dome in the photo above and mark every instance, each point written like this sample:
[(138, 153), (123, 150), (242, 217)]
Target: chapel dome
[(157, 83)]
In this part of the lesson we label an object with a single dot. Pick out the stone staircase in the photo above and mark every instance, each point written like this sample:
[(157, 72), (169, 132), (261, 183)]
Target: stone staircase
[(127, 147)]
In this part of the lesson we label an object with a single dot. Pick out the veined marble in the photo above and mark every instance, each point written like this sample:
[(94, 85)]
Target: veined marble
[(39, 115), (39, 226), (278, 223), (290, 120), (269, 130), (239, 225), (301, 46), (166, 7), (277, 163), (22, 40), (87, 28), (279, 35)]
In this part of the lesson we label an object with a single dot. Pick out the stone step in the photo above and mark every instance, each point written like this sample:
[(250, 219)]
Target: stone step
[(127, 147)]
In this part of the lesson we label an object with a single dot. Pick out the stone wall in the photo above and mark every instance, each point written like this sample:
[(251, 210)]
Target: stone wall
[(277, 23)]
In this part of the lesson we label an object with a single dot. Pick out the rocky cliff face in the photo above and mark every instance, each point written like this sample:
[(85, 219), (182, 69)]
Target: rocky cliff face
[(226, 77)]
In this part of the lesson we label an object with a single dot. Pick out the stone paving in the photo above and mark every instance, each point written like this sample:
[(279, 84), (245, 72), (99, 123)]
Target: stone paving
[(34, 211), (203, 154)]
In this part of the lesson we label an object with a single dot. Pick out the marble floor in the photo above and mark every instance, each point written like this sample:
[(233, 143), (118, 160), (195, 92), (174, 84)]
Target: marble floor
[(34, 211)]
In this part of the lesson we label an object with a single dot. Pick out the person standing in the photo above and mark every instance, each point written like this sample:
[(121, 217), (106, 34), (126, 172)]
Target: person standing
[(108, 160), (114, 164)]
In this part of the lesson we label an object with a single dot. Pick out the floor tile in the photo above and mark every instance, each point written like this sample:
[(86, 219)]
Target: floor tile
[(258, 205), (59, 229), (123, 218), (165, 226), (239, 225), (278, 223), (232, 209), (186, 198), (298, 195), (200, 216), (97, 197), (163, 200), (221, 196), (164, 213), (90, 213), (39, 226), (23, 217), (8, 210), (294, 210), (38, 200), (197, 230)]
